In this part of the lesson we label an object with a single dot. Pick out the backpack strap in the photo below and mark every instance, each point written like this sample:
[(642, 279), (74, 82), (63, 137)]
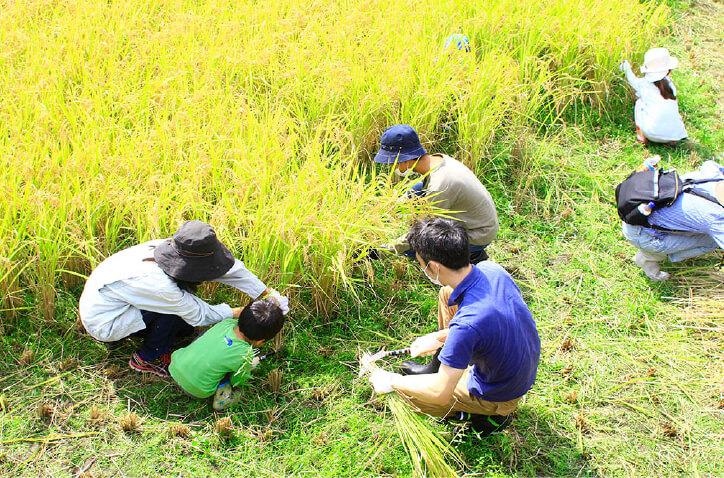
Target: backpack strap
[(666, 229), (689, 188), (688, 182), (704, 195)]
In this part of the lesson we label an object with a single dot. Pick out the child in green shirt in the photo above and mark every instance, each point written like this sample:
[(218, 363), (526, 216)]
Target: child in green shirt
[(201, 368)]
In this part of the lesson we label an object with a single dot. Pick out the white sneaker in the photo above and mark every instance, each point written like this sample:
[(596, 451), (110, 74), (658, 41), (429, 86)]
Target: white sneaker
[(651, 266), (226, 396)]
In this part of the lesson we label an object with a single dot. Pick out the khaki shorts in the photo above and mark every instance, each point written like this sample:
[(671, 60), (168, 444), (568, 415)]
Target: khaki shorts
[(462, 401)]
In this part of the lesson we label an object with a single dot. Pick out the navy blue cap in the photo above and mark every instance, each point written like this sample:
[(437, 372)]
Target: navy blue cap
[(399, 143)]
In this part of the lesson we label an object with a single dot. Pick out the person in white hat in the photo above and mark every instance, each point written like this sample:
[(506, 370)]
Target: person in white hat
[(657, 111)]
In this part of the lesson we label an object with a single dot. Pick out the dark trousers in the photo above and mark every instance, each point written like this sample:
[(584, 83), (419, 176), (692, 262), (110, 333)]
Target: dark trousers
[(418, 189), (161, 333), (477, 254)]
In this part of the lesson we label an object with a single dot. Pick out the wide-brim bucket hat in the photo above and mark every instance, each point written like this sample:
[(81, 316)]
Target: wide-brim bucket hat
[(399, 143), (194, 254), (657, 63)]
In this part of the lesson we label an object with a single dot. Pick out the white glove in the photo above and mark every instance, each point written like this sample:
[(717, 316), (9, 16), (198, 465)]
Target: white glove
[(425, 345), (624, 66), (281, 301), (255, 362), (382, 380)]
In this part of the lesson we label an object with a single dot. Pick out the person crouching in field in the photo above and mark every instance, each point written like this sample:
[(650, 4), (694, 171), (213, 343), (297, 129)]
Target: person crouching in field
[(691, 226), (457, 41), (486, 350), (149, 290), (448, 183), (221, 360), (657, 111)]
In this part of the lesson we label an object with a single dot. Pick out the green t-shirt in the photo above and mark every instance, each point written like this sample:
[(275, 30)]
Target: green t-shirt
[(200, 367)]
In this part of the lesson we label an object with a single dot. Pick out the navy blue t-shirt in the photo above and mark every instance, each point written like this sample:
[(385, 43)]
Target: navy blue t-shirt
[(493, 331)]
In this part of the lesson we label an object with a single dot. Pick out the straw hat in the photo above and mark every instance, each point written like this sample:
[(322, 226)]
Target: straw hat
[(657, 63)]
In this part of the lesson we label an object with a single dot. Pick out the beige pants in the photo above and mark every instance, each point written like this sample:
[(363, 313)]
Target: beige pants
[(461, 400)]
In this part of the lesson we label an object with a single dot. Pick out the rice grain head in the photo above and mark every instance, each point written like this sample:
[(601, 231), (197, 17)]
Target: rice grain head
[(274, 381), (224, 427), (130, 423), (97, 416), (179, 430), (27, 357)]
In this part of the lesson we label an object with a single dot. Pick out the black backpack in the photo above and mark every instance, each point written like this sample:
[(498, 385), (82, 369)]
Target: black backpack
[(661, 187)]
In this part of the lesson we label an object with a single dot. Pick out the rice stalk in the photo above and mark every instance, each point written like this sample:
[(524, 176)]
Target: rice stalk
[(224, 427), (430, 453), (274, 381)]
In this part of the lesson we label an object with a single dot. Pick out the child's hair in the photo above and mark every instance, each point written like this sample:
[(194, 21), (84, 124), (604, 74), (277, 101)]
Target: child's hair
[(261, 320), (665, 89)]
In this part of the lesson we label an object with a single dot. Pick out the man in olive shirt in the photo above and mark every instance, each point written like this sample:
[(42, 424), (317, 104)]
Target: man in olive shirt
[(447, 183)]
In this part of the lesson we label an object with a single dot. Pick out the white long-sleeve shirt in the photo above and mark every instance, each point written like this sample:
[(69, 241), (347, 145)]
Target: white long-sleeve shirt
[(658, 118), (124, 284)]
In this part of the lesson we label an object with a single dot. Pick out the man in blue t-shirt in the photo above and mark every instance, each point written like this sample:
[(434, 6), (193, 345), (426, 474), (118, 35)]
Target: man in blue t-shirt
[(486, 350)]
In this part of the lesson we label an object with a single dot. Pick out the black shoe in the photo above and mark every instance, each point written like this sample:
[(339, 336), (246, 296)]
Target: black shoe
[(479, 256), (486, 425), (112, 345), (410, 367)]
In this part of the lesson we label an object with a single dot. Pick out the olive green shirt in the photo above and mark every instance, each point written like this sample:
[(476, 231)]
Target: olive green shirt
[(455, 188)]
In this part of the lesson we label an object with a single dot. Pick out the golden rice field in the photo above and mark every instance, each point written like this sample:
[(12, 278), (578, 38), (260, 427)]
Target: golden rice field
[(120, 119)]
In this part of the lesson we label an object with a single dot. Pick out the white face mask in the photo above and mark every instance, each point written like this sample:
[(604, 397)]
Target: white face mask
[(436, 280)]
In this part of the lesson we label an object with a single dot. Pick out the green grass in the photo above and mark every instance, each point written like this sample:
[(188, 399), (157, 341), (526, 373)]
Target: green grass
[(630, 378)]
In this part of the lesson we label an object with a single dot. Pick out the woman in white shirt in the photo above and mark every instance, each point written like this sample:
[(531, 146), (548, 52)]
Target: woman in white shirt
[(149, 290), (656, 112)]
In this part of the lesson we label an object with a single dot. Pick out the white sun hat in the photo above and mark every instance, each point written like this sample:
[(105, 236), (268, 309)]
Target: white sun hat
[(657, 63)]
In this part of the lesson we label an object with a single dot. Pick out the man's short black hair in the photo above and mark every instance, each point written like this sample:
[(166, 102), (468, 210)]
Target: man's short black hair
[(261, 320), (441, 240)]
